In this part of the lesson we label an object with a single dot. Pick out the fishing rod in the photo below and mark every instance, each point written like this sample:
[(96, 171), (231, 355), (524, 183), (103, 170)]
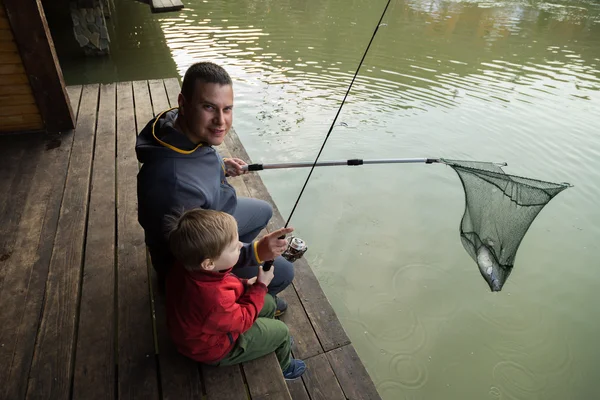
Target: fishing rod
[(267, 265), (351, 162)]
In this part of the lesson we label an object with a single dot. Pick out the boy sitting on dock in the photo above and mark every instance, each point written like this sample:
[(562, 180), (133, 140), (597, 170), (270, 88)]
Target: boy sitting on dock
[(213, 316)]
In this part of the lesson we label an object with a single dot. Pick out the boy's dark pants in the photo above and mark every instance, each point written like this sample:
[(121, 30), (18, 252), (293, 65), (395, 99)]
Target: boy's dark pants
[(265, 336)]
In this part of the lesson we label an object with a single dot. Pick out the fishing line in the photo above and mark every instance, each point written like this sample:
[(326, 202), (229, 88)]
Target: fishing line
[(268, 264)]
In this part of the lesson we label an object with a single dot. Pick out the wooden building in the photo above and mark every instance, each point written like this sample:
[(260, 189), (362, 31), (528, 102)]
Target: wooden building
[(33, 96)]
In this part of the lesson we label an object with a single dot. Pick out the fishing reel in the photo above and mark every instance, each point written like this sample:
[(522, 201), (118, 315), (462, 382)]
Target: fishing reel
[(295, 249)]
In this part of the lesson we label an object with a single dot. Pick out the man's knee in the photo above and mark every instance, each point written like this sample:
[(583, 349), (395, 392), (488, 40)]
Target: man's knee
[(265, 210)]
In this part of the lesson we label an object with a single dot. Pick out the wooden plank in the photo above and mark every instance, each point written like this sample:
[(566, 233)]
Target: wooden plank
[(165, 5), (36, 47), (179, 375), (173, 90), (158, 95), (17, 99), (94, 376), (143, 106), (320, 380), (8, 69), (23, 272), (137, 372), (20, 231), (18, 89), (351, 374), (20, 119), (265, 379), (74, 93), (7, 111), (14, 80), (8, 45), (10, 58), (322, 317), (297, 389), (223, 383), (51, 369)]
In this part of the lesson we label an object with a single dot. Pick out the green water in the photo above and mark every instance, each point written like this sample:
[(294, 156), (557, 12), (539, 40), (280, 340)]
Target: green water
[(514, 81)]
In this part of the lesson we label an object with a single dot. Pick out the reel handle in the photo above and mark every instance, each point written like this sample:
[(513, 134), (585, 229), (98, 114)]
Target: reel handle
[(268, 264)]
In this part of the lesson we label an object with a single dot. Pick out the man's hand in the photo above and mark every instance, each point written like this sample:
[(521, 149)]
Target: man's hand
[(233, 166), (270, 246)]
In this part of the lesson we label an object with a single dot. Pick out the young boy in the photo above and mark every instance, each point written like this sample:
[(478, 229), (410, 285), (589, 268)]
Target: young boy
[(213, 316)]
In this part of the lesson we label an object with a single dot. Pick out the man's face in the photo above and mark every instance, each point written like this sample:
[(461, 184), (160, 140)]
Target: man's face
[(209, 113)]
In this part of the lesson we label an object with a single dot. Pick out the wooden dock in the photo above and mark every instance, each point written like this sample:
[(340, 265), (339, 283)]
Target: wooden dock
[(165, 5), (80, 317)]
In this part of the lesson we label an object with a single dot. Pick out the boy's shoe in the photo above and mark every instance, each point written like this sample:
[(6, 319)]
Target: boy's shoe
[(295, 370), (281, 307)]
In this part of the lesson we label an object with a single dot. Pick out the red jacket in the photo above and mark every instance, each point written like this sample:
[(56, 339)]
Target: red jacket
[(207, 311)]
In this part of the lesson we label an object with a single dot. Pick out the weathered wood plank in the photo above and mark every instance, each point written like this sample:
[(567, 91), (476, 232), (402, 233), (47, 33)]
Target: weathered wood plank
[(18, 109), (25, 271), (12, 150), (14, 79), (51, 369), (19, 99), (137, 372), (95, 359), (180, 376), (297, 389), (19, 89), (8, 45), (17, 169), (351, 374), (143, 106), (306, 342), (10, 58), (173, 89), (24, 267), (74, 93), (223, 383), (8, 69), (265, 379), (158, 95), (165, 5), (36, 47), (323, 319), (320, 380)]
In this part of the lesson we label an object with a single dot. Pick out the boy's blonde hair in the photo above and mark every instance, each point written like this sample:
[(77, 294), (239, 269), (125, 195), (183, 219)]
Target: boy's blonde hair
[(198, 234)]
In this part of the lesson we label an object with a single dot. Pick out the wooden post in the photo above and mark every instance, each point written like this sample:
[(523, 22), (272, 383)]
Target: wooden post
[(31, 33)]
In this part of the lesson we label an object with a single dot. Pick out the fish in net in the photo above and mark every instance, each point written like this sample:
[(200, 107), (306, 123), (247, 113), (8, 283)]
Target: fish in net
[(499, 208)]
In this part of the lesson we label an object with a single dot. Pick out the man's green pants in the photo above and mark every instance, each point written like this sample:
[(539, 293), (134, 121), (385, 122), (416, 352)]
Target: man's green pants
[(265, 336)]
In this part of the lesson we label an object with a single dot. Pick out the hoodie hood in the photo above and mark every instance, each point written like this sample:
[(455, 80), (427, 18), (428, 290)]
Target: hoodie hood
[(160, 138)]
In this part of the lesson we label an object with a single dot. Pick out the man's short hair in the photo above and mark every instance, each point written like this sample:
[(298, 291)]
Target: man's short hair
[(206, 72), (199, 234)]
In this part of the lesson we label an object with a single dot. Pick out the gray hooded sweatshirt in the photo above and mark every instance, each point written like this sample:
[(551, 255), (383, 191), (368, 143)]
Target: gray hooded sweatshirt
[(178, 175)]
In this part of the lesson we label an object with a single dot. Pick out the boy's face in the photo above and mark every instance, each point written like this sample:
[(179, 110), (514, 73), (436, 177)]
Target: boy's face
[(209, 113), (229, 257)]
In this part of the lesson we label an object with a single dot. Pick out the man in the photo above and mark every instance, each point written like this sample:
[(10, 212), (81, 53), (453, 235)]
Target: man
[(181, 170)]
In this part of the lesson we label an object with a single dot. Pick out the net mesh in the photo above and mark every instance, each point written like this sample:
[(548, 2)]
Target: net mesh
[(499, 208)]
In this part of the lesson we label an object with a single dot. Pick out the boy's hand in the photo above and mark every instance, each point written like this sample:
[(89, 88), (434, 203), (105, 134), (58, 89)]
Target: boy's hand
[(270, 246), (265, 277), (251, 281), (234, 166)]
